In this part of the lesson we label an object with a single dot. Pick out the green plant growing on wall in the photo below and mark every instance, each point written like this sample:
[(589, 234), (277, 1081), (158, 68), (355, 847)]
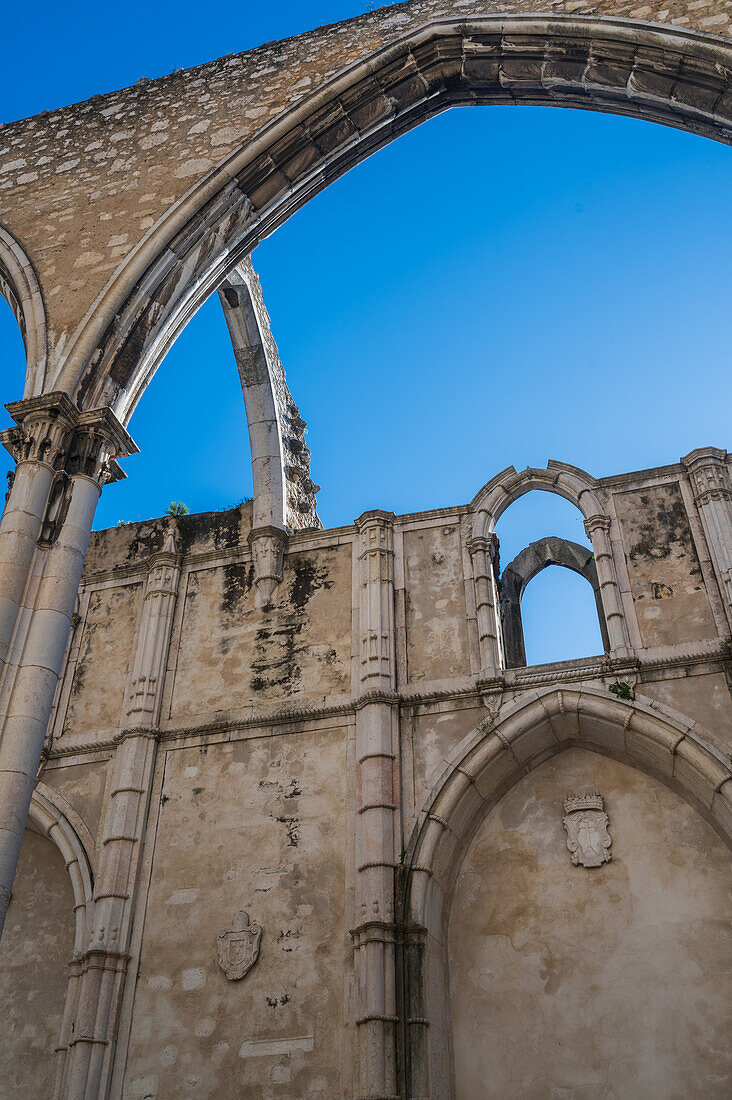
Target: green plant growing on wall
[(122, 523), (177, 508), (623, 690), (486, 725), (725, 647)]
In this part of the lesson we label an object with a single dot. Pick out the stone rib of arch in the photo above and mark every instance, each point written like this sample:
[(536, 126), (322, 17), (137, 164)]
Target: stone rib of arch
[(618, 65), (20, 287)]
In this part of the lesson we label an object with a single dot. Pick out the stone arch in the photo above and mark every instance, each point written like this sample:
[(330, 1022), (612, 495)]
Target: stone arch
[(624, 66), (579, 488), (52, 816), (524, 567), (21, 289), (644, 734), (284, 493)]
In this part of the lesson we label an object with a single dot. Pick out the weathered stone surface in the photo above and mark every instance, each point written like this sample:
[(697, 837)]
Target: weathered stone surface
[(553, 967), (36, 946), (314, 728), (324, 764)]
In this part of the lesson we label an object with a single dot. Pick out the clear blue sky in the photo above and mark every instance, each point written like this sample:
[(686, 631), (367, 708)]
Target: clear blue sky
[(500, 286)]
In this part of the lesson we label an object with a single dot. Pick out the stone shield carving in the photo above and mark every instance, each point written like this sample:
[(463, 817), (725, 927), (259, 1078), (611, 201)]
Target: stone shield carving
[(586, 823), (238, 947)]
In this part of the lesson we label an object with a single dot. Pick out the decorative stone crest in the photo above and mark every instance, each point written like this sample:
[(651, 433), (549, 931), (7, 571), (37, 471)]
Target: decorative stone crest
[(586, 823), (238, 947)]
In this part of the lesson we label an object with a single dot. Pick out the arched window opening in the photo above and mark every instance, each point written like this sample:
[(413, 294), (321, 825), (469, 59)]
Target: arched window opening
[(560, 618), (535, 516)]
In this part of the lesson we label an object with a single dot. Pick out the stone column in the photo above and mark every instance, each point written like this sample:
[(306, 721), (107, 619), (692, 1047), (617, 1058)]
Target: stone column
[(103, 966), (597, 529), (378, 830), (35, 656), (483, 553), (712, 487), (38, 444)]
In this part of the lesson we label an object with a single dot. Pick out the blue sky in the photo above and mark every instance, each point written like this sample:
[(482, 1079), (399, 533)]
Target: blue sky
[(500, 286)]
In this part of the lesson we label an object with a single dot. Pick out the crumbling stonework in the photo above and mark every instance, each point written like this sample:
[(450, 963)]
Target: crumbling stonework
[(322, 748)]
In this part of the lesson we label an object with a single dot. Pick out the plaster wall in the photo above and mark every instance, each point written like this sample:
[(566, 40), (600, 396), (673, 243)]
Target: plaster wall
[(101, 670), (595, 982), (436, 621)]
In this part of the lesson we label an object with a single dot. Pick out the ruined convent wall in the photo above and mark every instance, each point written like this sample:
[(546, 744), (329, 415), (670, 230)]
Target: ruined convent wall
[(255, 800)]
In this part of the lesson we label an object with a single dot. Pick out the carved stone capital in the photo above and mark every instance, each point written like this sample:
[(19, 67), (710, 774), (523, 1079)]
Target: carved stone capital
[(99, 441), (268, 558), (596, 523), (43, 428), (483, 544)]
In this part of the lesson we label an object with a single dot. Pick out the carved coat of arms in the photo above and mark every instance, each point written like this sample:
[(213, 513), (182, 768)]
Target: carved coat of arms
[(586, 823), (238, 947)]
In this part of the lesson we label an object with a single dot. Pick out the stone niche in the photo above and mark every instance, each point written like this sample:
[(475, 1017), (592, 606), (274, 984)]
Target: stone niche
[(592, 982)]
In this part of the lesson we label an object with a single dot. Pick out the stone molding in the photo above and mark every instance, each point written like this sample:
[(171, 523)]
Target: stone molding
[(711, 484)]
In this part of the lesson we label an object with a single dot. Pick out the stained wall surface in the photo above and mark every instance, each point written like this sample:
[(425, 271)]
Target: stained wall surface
[(610, 981), (258, 825), (254, 796), (36, 948)]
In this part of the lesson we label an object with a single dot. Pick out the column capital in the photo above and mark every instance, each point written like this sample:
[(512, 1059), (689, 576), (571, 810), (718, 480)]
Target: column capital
[(487, 544), (596, 523), (43, 426), (268, 557), (99, 441)]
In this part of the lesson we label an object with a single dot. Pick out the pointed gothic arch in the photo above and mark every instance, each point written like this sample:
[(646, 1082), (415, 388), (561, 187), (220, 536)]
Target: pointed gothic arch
[(623, 66), (644, 734), (20, 287), (515, 578)]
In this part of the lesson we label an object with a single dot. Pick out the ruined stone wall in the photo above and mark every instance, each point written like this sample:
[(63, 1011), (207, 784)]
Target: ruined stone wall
[(253, 795)]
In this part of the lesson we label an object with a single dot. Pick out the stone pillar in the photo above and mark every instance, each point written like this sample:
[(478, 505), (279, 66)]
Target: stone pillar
[(35, 655), (38, 444), (483, 555), (378, 829), (597, 529), (712, 487), (103, 966)]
